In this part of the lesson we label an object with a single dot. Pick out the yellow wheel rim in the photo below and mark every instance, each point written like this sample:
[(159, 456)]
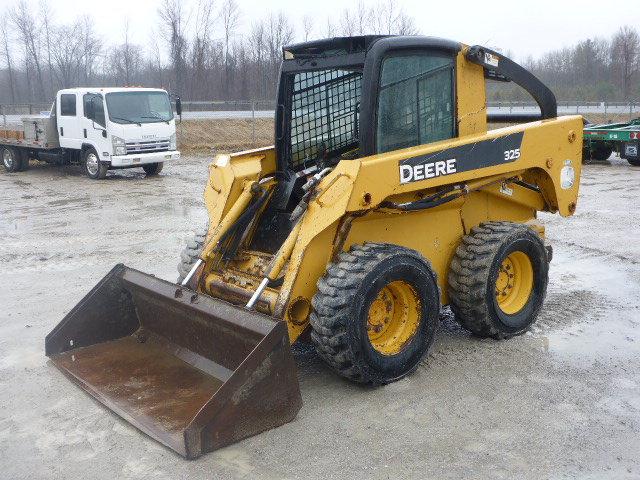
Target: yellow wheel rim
[(394, 317), (514, 283)]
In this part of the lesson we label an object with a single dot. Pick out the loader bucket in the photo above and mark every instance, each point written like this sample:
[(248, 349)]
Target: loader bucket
[(191, 371)]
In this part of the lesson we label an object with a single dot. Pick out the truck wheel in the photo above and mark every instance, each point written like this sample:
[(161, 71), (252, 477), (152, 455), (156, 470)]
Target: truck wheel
[(498, 279), (634, 161), (24, 160), (601, 152), (93, 167), (11, 159), (375, 313), (153, 168), (191, 252)]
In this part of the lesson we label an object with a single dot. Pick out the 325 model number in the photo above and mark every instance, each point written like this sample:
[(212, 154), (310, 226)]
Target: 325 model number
[(512, 154)]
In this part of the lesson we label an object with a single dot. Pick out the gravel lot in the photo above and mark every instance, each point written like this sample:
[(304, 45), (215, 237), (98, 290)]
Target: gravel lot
[(562, 401)]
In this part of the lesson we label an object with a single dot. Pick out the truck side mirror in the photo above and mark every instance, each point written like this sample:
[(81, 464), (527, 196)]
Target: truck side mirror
[(179, 107)]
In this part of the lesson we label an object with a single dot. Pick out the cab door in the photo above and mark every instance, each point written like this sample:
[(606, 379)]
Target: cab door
[(68, 110), (409, 94), (416, 102), (92, 123)]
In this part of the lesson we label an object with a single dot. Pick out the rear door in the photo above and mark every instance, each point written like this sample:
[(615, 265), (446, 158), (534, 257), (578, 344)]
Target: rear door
[(68, 111)]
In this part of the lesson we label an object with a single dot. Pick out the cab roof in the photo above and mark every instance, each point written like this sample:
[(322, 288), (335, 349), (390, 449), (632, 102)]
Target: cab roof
[(352, 45), (83, 90)]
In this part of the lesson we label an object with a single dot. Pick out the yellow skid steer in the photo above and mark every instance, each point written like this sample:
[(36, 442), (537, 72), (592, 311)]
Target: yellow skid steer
[(383, 199)]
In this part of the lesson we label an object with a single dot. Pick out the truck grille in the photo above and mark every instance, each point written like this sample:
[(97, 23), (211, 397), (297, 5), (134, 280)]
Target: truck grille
[(148, 146)]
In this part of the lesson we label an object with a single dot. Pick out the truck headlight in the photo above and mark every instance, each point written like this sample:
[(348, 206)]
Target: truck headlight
[(119, 145), (172, 142)]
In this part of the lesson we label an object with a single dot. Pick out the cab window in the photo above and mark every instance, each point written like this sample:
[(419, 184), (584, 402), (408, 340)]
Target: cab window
[(94, 108), (416, 101), (68, 105)]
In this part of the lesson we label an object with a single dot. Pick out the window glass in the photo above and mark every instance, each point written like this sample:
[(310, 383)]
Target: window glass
[(415, 104), (98, 108), (139, 107), (68, 104)]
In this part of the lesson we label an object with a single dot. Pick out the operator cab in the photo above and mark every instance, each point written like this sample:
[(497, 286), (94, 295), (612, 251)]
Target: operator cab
[(325, 115), (346, 98)]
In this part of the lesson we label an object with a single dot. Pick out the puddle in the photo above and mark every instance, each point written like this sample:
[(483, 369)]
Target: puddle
[(594, 299)]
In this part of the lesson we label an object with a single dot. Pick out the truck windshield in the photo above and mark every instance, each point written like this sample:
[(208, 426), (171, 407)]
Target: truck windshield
[(139, 107)]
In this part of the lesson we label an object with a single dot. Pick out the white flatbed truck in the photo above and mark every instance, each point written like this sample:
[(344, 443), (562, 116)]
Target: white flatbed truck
[(99, 128)]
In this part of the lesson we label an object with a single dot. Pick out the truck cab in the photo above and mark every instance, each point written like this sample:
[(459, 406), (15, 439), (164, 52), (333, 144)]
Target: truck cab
[(115, 128)]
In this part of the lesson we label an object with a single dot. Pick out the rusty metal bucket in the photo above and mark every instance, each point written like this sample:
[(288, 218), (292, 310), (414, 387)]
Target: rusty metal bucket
[(193, 372)]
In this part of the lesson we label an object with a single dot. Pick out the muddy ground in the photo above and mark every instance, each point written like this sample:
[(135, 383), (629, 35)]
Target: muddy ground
[(562, 401)]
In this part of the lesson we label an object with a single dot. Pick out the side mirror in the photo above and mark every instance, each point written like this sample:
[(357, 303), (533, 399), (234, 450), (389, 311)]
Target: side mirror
[(179, 106)]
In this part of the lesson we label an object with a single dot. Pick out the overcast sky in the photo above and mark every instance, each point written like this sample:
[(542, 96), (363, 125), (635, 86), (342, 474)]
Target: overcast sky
[(523, 27)]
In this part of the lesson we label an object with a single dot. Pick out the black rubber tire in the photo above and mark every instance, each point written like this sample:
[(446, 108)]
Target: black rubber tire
[(12, 161), (151, 169), (601, 152), (474, 270), (634, 161), (586, 154), (24, 160), (341, 306), (191, 252), (101, 172)]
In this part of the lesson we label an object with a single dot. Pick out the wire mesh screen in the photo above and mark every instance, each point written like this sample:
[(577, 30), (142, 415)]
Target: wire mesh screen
[(324, 115)]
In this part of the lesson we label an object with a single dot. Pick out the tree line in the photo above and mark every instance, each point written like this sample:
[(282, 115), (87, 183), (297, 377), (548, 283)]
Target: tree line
[(196, 50), (199, 51), (596, 69)]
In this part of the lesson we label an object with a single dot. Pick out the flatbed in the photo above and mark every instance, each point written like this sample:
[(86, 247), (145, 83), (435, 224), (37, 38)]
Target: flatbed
[(601, 140)]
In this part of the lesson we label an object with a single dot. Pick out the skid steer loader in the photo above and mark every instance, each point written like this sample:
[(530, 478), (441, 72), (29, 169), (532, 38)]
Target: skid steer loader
[(384, 198)]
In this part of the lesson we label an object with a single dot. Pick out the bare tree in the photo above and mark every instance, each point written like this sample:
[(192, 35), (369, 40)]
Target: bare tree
[(258, 50), (67, 53), (46, 15), (126, 54), (91, 49), (625, 50), (389, 19), (230, 20), (331, 29), (174, 19), (279, 33), (126, 59), (6, 53), (156, 58), (404, 25), (363, 18), (347, 23), (25, 23), (307, 27), (201, 46)]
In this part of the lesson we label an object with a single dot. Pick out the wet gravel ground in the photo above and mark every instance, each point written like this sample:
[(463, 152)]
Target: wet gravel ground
[(562, 401)]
